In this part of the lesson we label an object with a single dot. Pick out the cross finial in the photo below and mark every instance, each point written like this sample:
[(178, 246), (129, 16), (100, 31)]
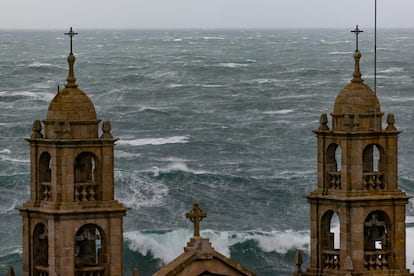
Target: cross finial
[(357, 31), (71, 34), (196, 215)]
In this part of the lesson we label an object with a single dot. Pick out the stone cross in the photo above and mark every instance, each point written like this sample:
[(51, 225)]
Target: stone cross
[(71, 34), (357, 31), (196, 215)]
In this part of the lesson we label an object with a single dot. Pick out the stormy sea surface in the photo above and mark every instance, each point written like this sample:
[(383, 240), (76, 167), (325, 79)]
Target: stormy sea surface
[(219, 117)]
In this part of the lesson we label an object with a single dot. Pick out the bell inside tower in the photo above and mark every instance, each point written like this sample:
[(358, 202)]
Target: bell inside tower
[(88, 246)]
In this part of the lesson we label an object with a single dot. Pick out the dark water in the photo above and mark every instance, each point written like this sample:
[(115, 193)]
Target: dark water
[(222, 117)]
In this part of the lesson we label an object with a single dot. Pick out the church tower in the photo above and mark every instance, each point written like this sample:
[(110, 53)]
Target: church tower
[(357, 189), (72, 225)]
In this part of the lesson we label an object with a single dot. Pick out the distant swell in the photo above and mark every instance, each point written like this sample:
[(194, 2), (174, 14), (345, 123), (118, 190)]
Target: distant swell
[(155, 141)]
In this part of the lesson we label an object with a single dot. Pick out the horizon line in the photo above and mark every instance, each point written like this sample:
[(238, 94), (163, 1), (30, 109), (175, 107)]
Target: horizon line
[(195, 28)]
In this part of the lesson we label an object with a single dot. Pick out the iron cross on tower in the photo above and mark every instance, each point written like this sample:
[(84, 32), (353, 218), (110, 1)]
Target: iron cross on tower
[(71, 34), (196, 215), (357, 31)]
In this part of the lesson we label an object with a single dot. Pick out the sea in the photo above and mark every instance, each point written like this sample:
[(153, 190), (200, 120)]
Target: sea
[(219, 117)]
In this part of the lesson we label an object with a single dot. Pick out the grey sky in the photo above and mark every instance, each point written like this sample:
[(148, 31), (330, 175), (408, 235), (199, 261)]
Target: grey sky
[(59, 14)]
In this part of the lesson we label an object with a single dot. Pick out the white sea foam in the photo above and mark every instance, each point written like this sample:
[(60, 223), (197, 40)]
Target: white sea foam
[(177, 166), (36, 95), (279, 112), (136, 192), (175, 85), (41, 64), (11, 208), (398, 99), (293, 96), (263, 81), (169, 244), (5, 151), (151, 108), (232, 65), (155, 141), (281, 242), (339, 53), (127, 155), (392, 70), (10, 250), (163, 246), (323, 41), (211, 85), (14, 160), (213, 37)]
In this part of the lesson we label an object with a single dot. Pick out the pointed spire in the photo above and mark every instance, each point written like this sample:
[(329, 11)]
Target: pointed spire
[(71, 80), (357, 76), (357, 56)]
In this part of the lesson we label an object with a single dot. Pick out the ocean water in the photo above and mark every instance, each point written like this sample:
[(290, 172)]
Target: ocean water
[(219, 117)]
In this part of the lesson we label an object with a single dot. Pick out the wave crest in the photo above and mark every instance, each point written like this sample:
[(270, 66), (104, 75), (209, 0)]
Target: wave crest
[(168, 244)]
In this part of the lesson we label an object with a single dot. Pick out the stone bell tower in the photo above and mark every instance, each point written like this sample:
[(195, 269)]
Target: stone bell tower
[(357, 189), (71, 224)]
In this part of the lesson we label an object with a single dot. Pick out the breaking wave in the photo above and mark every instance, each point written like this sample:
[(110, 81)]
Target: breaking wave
[(168, 244)]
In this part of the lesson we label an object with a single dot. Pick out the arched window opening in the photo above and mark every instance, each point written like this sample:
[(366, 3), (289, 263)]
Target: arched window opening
[(89, 246), (45, 176), (86, 182), (372, 158), (334, 232), (333, 166), (377, 242), (373, 165), (330, 240), (40, 249), (376, 229), (85, 168)]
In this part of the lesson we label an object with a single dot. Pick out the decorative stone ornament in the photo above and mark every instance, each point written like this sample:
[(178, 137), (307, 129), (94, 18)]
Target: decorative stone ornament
[(37, 129), (106, 129), (323, 121), (390, 122)]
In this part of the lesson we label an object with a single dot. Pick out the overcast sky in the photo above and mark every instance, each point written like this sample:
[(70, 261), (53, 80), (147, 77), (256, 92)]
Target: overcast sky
[(59, 14)]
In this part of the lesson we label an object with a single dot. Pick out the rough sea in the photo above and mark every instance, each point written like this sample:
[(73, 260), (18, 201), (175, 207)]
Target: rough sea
[(219, 117)]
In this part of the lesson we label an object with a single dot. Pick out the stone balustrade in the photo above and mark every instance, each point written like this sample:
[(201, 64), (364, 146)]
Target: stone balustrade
[(41, 270), (373, 180), (335, 180), (90, 271), (85, 191), (46, 191), (376, 260), (331, 259)]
